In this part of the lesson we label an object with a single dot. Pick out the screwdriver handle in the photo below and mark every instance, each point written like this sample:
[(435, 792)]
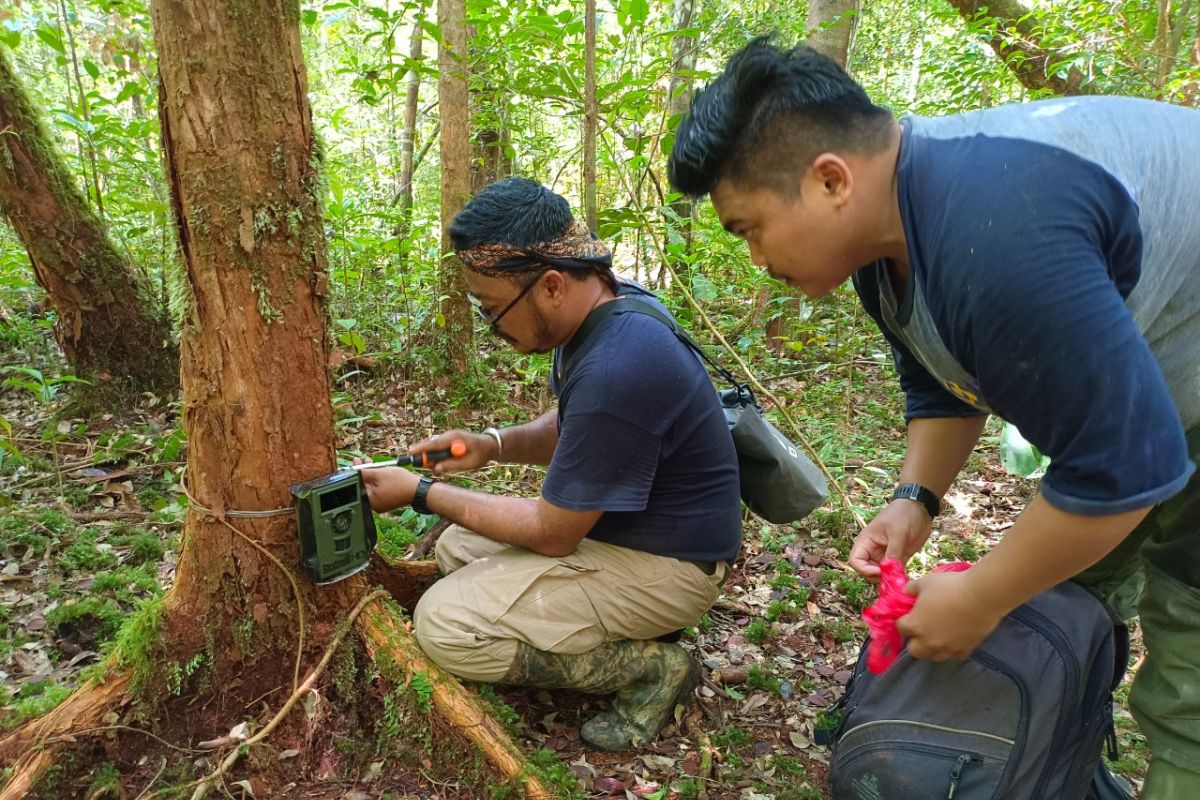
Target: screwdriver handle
[(427, 458)]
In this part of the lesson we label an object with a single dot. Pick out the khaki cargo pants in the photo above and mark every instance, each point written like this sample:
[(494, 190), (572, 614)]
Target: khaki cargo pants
[(494, 597), (1155, 573)]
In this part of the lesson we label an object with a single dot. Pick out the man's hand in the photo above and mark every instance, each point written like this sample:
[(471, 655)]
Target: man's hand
[(949, 620), (389, 488), (899, 531), (481, 449)]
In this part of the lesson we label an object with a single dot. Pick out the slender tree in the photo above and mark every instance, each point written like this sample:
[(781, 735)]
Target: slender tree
[(109, 327), (831, 25), (679, 92), (408, 131), (455, 108), (591, 114)]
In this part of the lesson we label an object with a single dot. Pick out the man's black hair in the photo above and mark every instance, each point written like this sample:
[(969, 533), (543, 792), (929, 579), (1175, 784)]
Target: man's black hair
[(768, 115), (513, 211)]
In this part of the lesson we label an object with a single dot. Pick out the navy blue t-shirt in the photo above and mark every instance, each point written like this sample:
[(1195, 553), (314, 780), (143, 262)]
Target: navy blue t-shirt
[(642, 438), (1054, 280)]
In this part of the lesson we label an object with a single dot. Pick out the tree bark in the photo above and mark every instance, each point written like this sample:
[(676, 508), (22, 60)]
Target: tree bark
[(455, 108), (591, 115), (1018, 45), (831, 27), (679, 96), (243, 170), (108, 325), (408, 133)]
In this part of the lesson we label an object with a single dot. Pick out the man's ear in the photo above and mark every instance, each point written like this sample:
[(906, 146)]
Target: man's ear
[(554, 285), (831, 176)]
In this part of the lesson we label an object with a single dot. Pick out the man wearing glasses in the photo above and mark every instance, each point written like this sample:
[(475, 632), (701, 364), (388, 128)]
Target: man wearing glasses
[(639, 513)]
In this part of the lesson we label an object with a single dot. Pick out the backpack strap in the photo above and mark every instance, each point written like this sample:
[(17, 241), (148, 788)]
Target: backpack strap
[(630, 302)]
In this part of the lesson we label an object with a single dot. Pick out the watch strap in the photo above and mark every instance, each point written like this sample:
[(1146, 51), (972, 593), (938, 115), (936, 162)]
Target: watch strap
[(922, 495), (418, 501)]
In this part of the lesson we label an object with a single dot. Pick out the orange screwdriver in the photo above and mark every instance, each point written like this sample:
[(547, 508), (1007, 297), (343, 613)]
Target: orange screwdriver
[(424, 459)]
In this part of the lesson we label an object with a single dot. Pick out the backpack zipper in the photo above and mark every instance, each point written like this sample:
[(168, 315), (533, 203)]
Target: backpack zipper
[(1044, 625), (956, 773)]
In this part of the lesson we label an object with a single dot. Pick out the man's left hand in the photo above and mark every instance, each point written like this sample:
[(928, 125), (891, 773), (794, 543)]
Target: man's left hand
[(389, 488), (949, 619)]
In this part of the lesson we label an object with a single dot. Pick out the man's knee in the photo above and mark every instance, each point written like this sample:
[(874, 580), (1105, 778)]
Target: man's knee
[(443, 629)]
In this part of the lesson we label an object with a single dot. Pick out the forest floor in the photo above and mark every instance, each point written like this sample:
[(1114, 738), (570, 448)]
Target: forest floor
[(91, 511)]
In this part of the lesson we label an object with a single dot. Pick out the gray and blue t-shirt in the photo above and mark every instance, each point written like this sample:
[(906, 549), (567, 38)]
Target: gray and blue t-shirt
[(1054, 280)]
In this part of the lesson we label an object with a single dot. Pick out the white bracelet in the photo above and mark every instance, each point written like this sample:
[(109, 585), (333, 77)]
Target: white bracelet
[(495, 434)]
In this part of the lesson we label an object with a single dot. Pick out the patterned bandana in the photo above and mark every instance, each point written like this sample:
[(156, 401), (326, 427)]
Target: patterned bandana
[(578, 248)]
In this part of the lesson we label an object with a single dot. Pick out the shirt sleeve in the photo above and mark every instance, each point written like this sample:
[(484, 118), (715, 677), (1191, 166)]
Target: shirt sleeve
[(601, 463), (1057, 353)]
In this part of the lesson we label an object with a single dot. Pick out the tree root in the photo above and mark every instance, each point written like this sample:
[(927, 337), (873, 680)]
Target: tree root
[(383, 632), (405, 581), (31, 747), (205, 784), (427, 541)]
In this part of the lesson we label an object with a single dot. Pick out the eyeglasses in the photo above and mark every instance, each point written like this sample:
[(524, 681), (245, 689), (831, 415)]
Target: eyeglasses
[(493, 321)]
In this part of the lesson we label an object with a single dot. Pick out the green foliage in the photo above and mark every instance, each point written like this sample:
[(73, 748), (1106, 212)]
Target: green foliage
[(557, 776), (855, 590), (98, 615), (1019, 456), (106, 780), (760, 679), (83, 555), (758, 631), (31, 700), (422, 689), (398, 532), (137, 644)]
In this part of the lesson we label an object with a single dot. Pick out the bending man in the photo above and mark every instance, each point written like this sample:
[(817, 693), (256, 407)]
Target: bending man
[(1040, 262)]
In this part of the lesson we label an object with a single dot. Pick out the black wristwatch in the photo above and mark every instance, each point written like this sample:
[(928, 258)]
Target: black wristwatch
[(912, 491), (418, 503)]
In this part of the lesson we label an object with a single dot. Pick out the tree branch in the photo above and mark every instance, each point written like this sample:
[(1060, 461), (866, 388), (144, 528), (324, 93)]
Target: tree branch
[(1017, 43)]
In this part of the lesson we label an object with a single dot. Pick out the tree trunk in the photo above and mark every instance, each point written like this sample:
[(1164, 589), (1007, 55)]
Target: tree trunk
[(454, 104), (831, 26), (591, 114), (1017, 44), (243, 171), (1163, 54), (1191, 90), (107, 326), (679, 96), (408, 133)]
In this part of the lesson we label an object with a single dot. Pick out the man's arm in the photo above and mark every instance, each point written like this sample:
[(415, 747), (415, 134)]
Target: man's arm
[(937, 450), (955, 612), (534, 524), (530, 443)]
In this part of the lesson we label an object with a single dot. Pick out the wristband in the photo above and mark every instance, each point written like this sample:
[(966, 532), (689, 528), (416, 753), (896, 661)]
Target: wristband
[(917, 492), (418, 501), (495, 434)]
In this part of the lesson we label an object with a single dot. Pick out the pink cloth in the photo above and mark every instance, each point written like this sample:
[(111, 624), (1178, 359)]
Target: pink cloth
[(892, 604)]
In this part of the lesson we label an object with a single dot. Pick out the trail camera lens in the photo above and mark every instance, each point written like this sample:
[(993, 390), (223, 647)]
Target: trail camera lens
[(341, 522)]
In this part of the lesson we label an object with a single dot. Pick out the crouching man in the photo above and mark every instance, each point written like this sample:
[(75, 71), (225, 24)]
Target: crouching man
[(639, 512)]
